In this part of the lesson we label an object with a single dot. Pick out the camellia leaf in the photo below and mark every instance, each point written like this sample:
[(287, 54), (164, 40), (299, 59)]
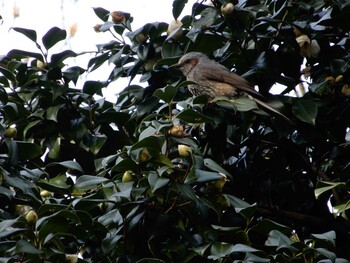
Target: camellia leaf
[(23, 246), (19, 54), (27, 150), (56, 59), (329, 236), (178, 6), (93, 87), (166, 94), (87, 182), (29, 33), (53, 36), (68, 164), (192, 116), (279, 240), (156, 181), (101, 13), (324, 186), (150, 260), (305, 110), (243, 248), (219, 250)]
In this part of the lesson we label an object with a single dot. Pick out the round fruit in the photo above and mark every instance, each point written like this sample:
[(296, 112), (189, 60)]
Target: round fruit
[(31, 217), (10, 132)]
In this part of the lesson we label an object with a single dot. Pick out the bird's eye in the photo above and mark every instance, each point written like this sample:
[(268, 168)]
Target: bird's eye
[(187, 61)]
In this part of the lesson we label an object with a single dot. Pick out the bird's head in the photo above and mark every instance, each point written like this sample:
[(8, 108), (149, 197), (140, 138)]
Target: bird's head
[(188, 61)]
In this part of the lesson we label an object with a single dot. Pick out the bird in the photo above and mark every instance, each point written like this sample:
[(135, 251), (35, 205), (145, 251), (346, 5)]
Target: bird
[(212, 79)]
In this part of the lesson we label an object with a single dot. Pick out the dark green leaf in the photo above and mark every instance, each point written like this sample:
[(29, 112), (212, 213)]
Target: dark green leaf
[(86, 182), (101, 13), (29, 33), (192, 116), (53, 36), (19, 54), (56, 59), (178, 6), (93, 87), (305, 110), (24, 246), (166, 94)]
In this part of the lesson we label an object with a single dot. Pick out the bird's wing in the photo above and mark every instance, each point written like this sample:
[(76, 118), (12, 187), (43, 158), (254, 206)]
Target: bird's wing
[(226, 76)]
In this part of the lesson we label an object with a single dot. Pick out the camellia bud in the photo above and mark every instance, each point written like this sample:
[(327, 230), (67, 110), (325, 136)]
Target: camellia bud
[(227, 9), (144, 155), (184, 150), (45, 193), (40, 64), (177, 131), (149, 64), (339, 78), (73, 29), (175, 25), (141, 38), (217, 185), (71, 258), (127, 177), (308, 48), (346, 90), (31, 217), (10, 132), (97, 28), (118, 17)]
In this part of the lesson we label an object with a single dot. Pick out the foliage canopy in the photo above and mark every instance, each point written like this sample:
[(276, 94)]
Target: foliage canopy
[(160, 176)]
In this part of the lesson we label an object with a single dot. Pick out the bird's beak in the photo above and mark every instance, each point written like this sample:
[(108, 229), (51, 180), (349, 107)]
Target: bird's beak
[(177, 66)]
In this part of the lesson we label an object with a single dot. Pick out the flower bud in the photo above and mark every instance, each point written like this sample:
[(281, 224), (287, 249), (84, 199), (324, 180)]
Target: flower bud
[(73, 29), (144, 155), (184, 150), (177, 131), (339, 78), (10, 132), (97, 28), (31, 217), (175, 26), (141, 38), (308, 48), (127, 177), (227, 9), (346, 90)]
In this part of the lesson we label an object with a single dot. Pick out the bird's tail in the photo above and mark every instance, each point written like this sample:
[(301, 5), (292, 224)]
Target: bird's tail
[(271, 109)]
